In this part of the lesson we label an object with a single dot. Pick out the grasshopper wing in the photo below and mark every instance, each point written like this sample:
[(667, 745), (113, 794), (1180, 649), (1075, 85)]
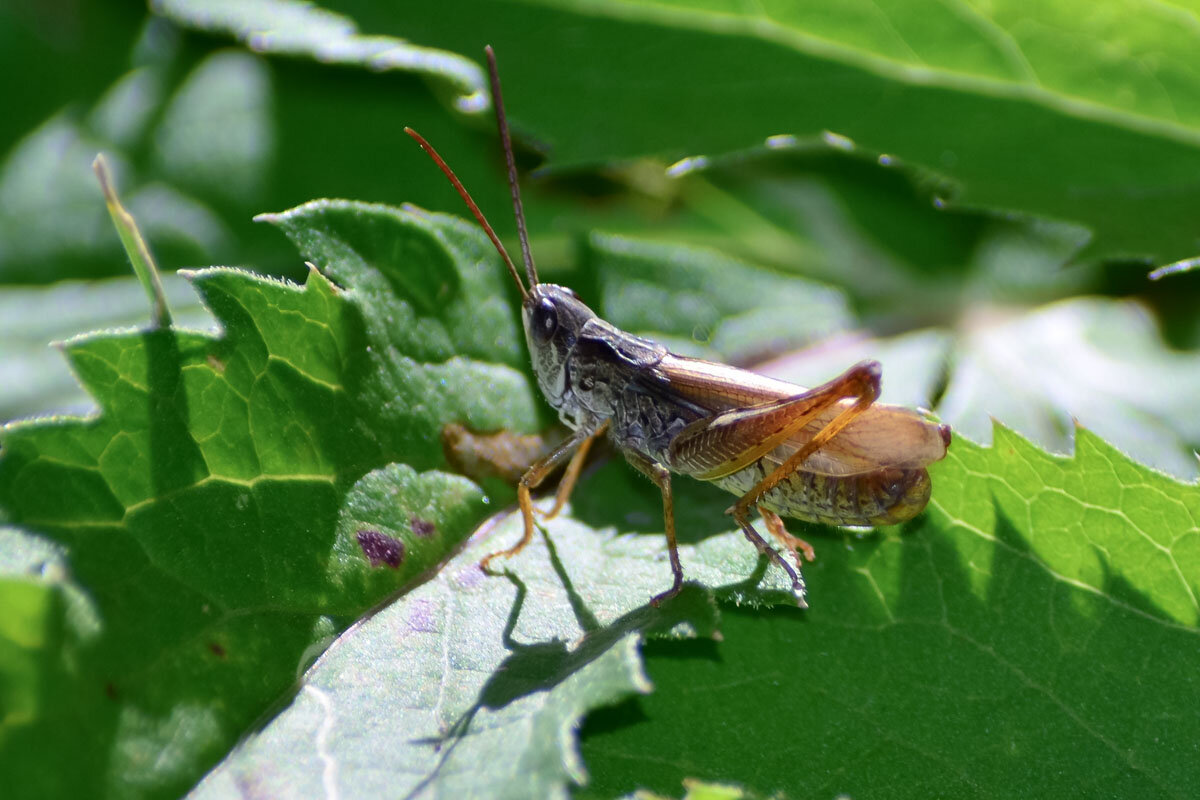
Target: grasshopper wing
[(881, 437)]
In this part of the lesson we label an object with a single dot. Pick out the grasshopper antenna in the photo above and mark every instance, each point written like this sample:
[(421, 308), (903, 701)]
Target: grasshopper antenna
[(502, 126), (466, 196)]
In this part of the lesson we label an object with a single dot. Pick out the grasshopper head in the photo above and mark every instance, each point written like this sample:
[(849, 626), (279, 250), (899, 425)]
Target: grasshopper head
[(553, 316)]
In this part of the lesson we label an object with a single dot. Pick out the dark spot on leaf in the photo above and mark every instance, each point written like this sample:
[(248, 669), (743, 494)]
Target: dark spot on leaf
[(217, 364), (110, 689), (216, 649), (423, 527), (379, 548)]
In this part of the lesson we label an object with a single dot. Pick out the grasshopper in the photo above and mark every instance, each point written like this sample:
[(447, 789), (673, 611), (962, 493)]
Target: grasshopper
[(829, 454)]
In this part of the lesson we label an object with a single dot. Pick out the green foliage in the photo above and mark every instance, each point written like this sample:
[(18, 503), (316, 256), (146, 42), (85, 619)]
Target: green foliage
[(990, 99), (482, 681), (36, 380), (998, 646), (705, 305), (212, 511), (900, 182)]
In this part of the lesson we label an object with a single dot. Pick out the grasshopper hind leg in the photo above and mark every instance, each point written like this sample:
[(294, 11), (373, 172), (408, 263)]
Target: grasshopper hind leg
[(802, 550), (771, 553)]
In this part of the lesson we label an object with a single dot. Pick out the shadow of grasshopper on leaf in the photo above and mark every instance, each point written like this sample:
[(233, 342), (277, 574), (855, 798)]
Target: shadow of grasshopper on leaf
[(540, 666)]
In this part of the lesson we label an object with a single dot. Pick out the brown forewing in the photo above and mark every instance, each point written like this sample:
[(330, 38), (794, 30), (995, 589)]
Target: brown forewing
[(883, 436)]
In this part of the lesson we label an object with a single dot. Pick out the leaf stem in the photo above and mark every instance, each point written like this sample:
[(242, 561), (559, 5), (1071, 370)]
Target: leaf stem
[(135, 246)]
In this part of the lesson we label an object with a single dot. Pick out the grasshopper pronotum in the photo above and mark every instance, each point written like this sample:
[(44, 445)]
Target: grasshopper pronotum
[(829, 454)]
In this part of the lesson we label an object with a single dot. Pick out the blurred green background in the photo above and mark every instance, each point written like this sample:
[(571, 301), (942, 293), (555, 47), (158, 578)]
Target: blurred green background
[(670, 121), (845, 165)]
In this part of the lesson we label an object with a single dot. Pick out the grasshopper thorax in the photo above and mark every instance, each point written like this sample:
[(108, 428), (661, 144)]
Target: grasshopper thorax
[(553, 316)]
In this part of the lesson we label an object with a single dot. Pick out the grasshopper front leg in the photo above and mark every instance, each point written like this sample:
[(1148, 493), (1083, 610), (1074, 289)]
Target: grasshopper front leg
[(578, 443), (571, 476)]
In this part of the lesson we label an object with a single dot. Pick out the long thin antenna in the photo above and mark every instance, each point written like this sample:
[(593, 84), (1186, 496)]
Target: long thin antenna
[(466, 196), (502, 125)]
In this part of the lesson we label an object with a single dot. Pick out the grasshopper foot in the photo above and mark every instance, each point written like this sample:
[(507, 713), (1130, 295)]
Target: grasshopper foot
[(663, 597), (676, 580), (486, 563)]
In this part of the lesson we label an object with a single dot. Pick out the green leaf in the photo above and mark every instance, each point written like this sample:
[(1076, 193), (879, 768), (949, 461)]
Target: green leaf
[(865, 224), (999, 645), (1061, 112), (216, 135), (33, 379), (295, 28), (208, 510), (474, 685), (704, 304), (431, 291), (48, 622), (125, 111), (52, 218)]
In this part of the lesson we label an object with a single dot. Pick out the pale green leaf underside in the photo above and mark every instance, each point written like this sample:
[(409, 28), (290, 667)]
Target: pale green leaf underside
[(1101, 363), (473, 685)]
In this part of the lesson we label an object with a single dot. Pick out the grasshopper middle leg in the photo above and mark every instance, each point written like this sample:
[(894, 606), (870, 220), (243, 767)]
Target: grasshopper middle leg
[(662, 478)]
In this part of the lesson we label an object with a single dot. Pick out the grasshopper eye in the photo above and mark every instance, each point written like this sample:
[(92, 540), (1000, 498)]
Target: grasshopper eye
[(545, 320)]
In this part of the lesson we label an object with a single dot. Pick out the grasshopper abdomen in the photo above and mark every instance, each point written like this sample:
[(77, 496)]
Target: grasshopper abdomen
[(881, 497)]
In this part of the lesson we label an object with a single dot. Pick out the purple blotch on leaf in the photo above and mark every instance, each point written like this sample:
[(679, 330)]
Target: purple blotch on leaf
[(423, 527), (379, 548), (216, 649)]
